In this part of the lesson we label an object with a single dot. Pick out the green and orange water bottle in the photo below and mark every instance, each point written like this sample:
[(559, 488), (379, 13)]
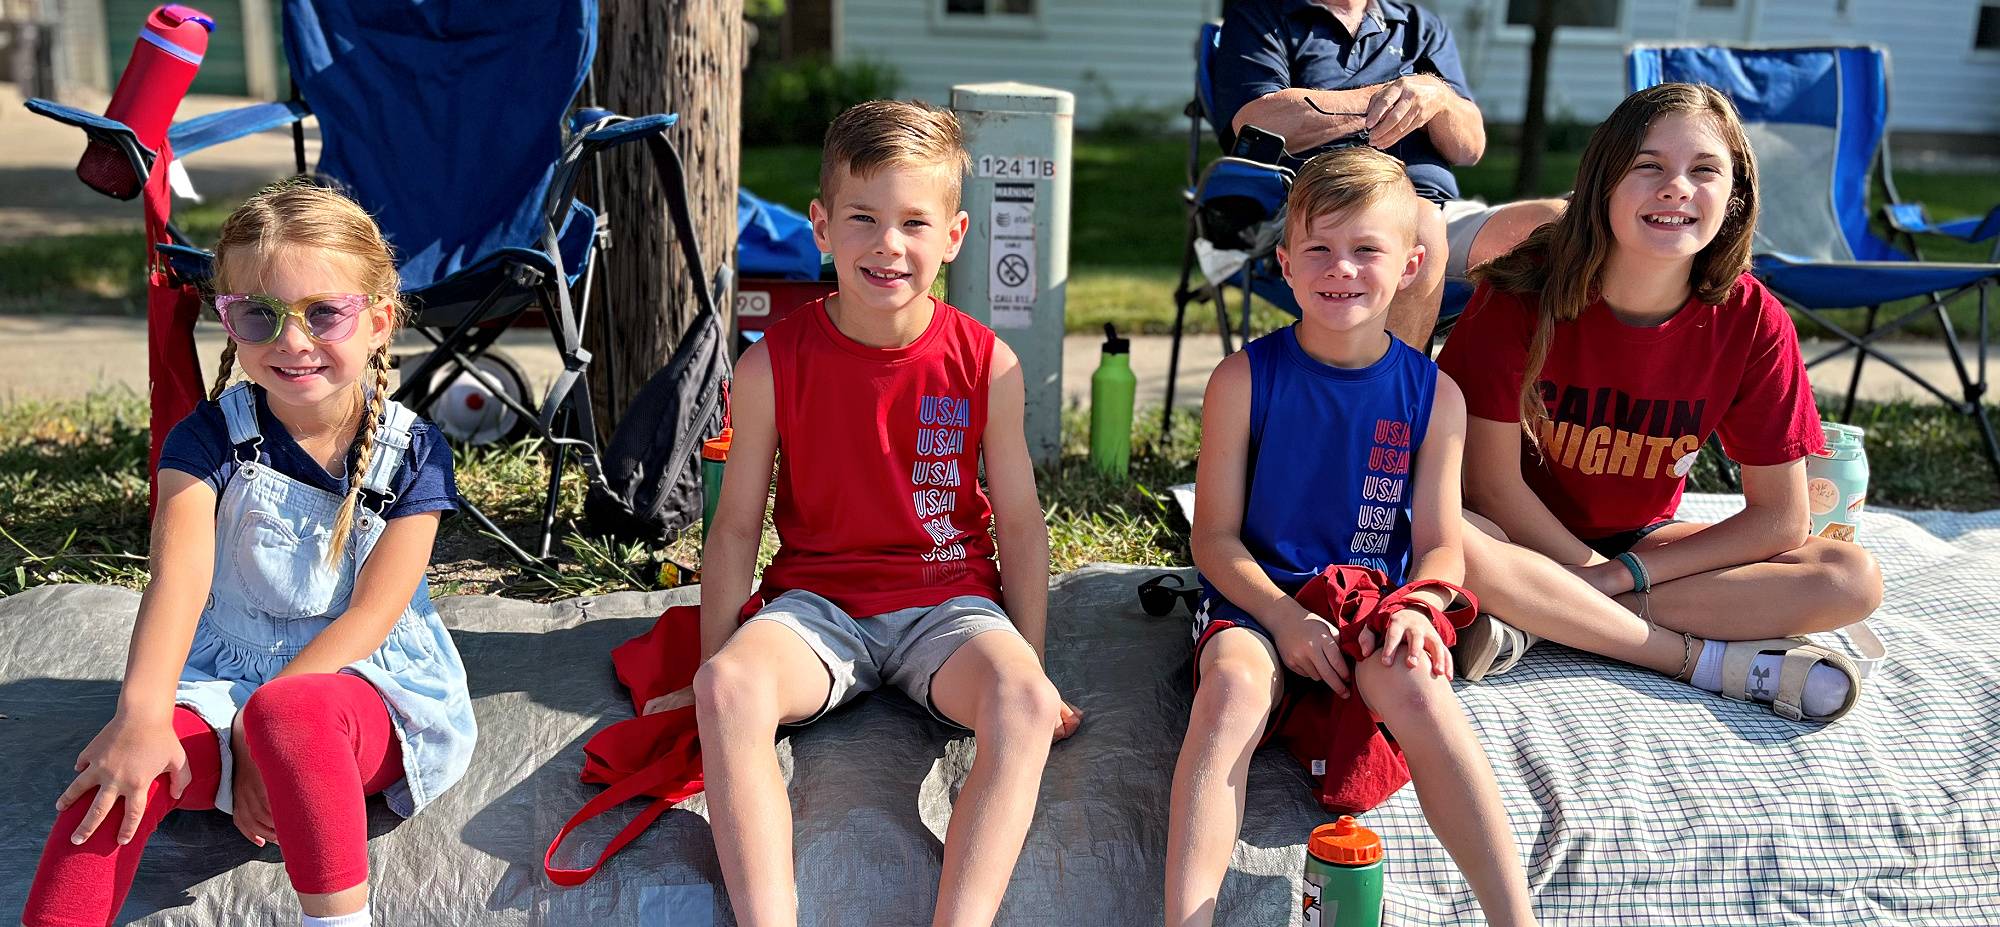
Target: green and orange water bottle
[(1343, 876), (714, 456)]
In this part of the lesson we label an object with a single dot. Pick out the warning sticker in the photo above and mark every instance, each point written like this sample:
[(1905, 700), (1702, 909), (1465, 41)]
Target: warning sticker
[(1011, 287)]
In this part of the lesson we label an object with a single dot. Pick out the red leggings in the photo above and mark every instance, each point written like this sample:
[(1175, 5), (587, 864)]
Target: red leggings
[(322, 743)]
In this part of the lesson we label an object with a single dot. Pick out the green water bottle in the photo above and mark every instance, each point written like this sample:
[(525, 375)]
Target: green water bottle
[(714, 455), (1837, 483), (1343, 876), (1111, 391)]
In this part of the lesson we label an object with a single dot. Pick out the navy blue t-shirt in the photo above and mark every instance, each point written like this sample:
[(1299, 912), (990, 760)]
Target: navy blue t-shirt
[(200, 445), (1273, 45)]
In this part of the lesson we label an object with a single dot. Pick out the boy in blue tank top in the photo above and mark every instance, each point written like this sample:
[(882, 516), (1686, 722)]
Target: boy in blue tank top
[(1326, 443)]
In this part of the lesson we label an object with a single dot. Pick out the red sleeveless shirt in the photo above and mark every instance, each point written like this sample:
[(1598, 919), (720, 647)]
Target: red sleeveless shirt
[(879, 504)]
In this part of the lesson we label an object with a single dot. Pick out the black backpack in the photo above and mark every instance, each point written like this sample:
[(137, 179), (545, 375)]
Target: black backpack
[(652, 468)]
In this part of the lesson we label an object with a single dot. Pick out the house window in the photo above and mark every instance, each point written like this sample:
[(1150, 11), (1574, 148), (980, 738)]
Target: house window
[(989, 7), (1587, 14), (1988, 33), (1716, 4)]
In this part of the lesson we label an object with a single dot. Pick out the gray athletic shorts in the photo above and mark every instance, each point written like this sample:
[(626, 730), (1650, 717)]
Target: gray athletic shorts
[(904, 648), (1462, 221)]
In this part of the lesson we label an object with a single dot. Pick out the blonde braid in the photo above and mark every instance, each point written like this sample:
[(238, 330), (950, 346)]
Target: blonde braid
[(343, 520), (223, 371)]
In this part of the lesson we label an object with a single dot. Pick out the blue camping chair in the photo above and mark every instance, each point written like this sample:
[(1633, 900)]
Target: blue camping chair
[(1817, 118), (1229, 205), (1225, 202), (456, 125)]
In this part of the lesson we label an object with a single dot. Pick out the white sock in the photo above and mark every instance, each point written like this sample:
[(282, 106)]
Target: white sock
[(1826, 687), (357, 919)]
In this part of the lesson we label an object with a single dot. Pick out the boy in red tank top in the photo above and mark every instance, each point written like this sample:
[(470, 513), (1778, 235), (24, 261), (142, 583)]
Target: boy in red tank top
[(878, 406)]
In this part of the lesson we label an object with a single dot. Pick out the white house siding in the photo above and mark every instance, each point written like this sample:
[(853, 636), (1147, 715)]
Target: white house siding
[(1107, 52), (1131, 52), (1587, 75), (1937, 82)]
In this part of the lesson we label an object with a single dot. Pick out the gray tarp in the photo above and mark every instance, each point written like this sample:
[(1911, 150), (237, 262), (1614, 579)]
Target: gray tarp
[(1634, 800)]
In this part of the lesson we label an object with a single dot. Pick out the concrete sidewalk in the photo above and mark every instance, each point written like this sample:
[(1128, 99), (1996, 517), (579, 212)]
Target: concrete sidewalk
[(55, 357)]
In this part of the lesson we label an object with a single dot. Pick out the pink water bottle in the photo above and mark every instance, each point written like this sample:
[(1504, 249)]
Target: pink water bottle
[(164, 62)]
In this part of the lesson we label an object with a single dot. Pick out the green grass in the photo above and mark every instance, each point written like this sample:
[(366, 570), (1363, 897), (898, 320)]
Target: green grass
[(73, 491), (73, 500), (100, 272), (73, 508)]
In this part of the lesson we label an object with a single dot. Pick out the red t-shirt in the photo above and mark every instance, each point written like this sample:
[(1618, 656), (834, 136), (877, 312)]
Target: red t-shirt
[(1629, 408), (879, 504)]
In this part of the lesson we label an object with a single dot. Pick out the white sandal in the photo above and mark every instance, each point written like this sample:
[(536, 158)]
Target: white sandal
[(1788, 697), (1489, 647)]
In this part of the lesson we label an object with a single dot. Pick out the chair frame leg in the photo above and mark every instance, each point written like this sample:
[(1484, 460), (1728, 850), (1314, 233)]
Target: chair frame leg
[(1182, 296), (1860, 357)]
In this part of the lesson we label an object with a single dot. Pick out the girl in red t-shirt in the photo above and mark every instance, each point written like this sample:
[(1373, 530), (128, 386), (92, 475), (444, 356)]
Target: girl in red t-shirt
[(1596, 359)]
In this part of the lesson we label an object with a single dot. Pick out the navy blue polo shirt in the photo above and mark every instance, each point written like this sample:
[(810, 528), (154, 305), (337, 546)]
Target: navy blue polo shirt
[(1273, 45)]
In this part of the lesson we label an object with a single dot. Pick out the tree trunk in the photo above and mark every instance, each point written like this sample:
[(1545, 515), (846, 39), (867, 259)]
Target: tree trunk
[(662, 56), (1534, 116)]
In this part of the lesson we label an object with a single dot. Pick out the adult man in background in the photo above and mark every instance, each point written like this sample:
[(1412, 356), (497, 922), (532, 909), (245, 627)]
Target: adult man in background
[(1316, 72)]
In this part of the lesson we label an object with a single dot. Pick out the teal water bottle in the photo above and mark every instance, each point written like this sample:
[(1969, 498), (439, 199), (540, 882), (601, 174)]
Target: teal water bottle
[(1837, 483), (1111, 390), (1343, 876)]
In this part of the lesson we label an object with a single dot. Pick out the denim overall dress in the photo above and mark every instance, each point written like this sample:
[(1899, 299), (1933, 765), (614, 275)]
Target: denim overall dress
[(272, 593)]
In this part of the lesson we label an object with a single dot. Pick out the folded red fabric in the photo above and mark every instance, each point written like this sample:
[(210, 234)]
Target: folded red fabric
[(1353, 761)]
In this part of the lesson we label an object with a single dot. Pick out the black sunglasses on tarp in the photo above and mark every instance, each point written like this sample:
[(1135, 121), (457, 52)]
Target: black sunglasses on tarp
[(1157, 597)]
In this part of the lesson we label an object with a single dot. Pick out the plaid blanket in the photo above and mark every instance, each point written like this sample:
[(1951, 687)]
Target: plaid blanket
[(1634, 800), (1637, 800)]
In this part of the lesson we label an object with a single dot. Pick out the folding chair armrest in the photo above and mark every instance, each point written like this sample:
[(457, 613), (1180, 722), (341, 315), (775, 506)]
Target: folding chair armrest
[(231, 124), (626, 130), (103, 131), (89, 122), (592, 130), (1913, 219), (1239, 169), (99, 128), (586, 118)]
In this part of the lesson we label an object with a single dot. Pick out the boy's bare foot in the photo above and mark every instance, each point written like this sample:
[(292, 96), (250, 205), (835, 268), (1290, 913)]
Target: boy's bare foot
[(1067, 722), (679, 698)]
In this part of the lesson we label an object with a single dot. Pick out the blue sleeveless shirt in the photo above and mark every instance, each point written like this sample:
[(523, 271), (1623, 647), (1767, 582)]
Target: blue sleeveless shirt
[(1332, 455)]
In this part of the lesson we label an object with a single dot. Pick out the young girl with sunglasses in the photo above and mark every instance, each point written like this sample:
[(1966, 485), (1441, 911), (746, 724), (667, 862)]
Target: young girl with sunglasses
[(286, 661)]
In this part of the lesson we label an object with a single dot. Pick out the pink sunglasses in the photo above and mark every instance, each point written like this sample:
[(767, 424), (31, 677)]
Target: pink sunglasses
[(328, 318)]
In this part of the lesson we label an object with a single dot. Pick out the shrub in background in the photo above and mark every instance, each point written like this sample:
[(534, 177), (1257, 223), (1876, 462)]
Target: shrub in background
[(791, 103)]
